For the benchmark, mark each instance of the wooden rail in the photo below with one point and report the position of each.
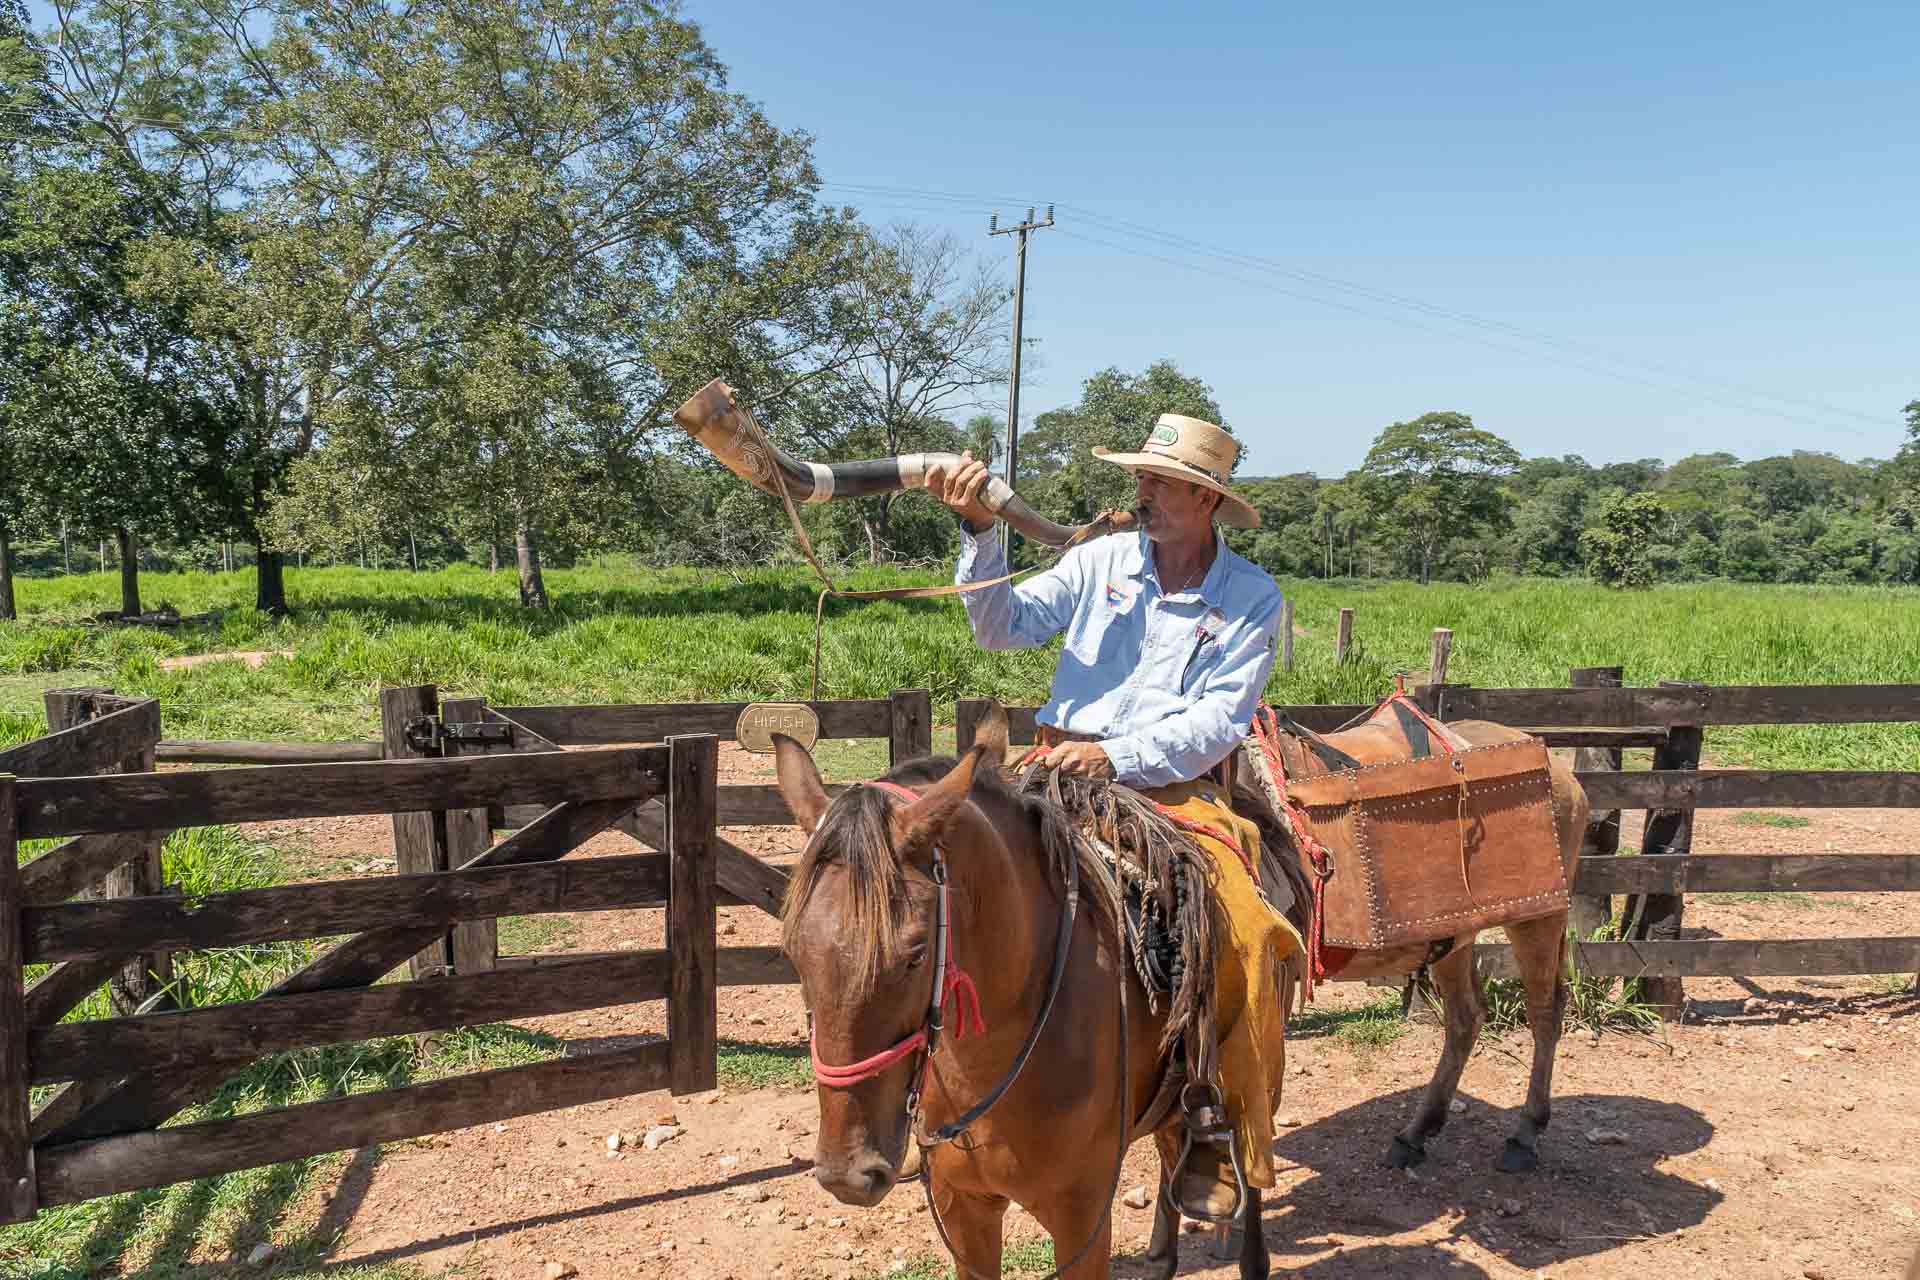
(133, 802)
(190, 751)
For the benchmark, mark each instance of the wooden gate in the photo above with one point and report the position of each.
(101, 1131)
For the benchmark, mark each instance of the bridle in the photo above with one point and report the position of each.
(951, 981)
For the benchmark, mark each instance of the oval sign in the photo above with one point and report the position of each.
(759, 721)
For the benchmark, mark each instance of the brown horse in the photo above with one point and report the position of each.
(943, 861)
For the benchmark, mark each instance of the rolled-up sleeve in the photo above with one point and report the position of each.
(1191, 741)
(1006, 616)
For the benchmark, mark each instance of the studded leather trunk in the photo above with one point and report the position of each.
(1432, 848)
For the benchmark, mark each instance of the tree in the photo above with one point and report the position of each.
(927, 336)
(1115, 410)
(1617, 552)
(1437, 478)
(586, 218)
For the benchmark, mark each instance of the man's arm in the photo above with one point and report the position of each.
(1010, 617)
(1187, 744)
(1002, 616)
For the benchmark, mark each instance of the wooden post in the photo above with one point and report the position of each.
(140, 876)
(1437, 660)
(966, 723)
(1286, 633)
(419, 839)
(693, 1007)
(18, 1191)
(911, 733)
(476, 943)
(1590, 912)
(1343, 639)
(1668, 831)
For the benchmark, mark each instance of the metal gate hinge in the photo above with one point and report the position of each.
(429, 733)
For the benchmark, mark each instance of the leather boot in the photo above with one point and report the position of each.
(1206, 1184)
(1205, 1188)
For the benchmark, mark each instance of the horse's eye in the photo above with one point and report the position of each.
(914, 958)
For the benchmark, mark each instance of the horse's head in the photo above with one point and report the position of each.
(859, 927)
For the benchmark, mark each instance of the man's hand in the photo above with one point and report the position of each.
(1089, 758)
(961, 491)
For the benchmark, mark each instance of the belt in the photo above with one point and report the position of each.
(1046, 735)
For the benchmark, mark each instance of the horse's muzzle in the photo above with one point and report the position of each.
(862, 1180)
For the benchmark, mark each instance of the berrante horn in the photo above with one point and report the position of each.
(712, 417)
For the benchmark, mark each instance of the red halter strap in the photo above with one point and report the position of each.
(950, 982)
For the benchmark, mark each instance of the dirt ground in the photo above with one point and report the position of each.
(1774, 1133)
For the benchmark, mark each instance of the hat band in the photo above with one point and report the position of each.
(1214, 476)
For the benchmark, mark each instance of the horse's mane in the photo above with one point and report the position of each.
(854, 834)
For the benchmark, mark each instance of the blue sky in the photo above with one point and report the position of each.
(1622, 232)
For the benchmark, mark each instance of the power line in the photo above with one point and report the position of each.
(1575, 354)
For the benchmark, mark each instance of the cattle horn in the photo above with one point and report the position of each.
(712, 417)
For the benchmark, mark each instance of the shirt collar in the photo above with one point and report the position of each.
(1212, 588)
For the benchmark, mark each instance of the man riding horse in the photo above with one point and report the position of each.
(1170, 638)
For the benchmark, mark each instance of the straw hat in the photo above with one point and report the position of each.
(1197, 452)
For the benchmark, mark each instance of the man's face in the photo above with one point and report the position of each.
(1172, 510)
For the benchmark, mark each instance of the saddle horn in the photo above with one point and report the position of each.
(712, 417)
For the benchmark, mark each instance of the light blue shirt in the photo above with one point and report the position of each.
(1169, 683)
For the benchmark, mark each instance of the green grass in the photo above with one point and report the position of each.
(1017, 1258)
(1893, 984)
(1751, 818)
(1785, 898)
(161, 1232)
(1370, 1027)
(1593, 1003)
(620, 633)
(746, 1064)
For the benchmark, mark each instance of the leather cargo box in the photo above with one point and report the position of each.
(1431, 848)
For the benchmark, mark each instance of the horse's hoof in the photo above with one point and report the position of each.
(1518, 1157)
(1404, 1155)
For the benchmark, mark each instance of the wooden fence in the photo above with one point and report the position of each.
(95, 910)
(100, 1131)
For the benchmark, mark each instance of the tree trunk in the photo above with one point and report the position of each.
(7, 613)
(129, 573)
(880, 530)
(493, 557)
(270, 582)
(533, 587)
(413, 552)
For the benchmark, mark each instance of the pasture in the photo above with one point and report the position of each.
(619, 633)
(545, 1189)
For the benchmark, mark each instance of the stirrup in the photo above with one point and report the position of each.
(1207, 1126)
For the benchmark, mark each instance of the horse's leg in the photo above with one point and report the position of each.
(1460, 998)
(1539, 950)
(973, 1224)
(1253, 1241)
(1163, 1251)
(1079, 1219)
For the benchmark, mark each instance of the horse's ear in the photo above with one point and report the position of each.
(920, 824)
(799, 782)
(992, 733)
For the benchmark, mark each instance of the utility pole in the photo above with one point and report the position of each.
(1023, 230)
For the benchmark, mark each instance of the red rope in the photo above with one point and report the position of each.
(1266, 729)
